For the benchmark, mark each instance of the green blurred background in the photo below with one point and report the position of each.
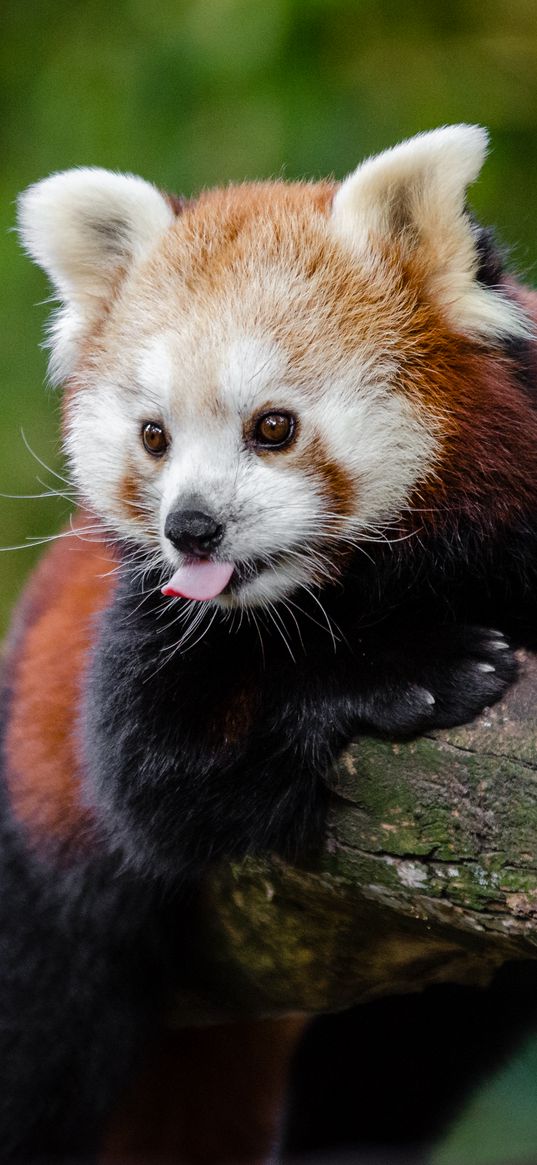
(193, 92)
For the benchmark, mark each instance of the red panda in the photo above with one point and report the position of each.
(300, 422)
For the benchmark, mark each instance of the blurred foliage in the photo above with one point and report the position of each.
(193, 92)
(499, 1125)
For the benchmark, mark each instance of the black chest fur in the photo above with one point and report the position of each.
(221, 747)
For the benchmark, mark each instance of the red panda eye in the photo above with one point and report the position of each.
(154, 438)
(273, 430)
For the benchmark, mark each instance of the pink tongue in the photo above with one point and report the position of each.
(199, 580)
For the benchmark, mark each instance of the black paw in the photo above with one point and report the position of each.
(467, 683)
(457, 673)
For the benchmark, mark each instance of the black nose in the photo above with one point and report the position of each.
(193, 532)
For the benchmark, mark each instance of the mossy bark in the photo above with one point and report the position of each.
(428, 874)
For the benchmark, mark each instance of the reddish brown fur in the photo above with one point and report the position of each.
(204, 1095)
(282, 227)
(130, 496)
(43, 770)
(208, 1095)
(488, 452)
(221, 227)
(337, 485)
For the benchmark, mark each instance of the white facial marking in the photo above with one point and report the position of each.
(156, 373)
(278, 518)
(253, 370)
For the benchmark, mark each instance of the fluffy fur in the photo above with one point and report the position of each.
(370, 550)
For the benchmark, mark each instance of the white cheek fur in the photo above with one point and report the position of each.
(273, 510)
(381, 442)
(103, 444)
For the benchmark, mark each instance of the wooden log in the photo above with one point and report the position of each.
(428, 874)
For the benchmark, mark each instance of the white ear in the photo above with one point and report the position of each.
(414, 195)
(85, 228)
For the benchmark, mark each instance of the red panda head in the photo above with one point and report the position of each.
(258, 383)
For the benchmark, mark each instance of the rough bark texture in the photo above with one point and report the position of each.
(429, 874)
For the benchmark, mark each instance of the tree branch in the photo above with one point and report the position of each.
(428, 874)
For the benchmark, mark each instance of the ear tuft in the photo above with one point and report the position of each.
(428, 172)
(85, 228)
(82, 225)
(414, 195)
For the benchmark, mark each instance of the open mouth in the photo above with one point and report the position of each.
(204, 579)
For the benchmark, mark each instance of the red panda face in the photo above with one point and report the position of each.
(240, 403)
(210, 373)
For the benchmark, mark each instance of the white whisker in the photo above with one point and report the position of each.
(329, 622)
(271, 610)
(42, 463)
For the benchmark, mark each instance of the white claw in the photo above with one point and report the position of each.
(429, 698)
(485, 667)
